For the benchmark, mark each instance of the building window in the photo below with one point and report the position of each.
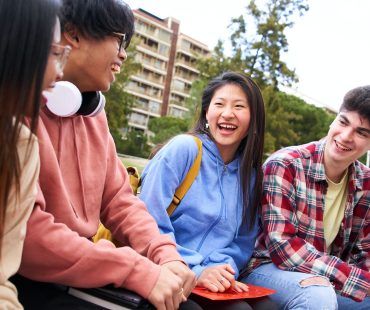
(137, 118)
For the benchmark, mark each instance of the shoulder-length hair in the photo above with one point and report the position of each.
(26, 31)
(251, 147)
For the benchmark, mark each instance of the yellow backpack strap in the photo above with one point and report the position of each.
(188, 181)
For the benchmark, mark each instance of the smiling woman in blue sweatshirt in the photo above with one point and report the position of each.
(215, 225)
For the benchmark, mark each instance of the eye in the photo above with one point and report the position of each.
(55, 51)
(342, 122)
(363, 134)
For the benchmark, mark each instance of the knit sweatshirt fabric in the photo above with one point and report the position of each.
(17, 213)
(82, 181)
(207, 225)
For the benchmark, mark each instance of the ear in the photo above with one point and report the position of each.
(71, 36)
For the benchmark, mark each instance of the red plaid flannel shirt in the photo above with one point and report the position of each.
(292, 220)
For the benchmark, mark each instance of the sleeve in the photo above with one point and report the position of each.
(291, 252)
(160, 178)
(17, 213)
(360, 254)
(67, 258)
(237, 253)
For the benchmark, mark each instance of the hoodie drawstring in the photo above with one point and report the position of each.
(79, 171)
(223, 204)
(238, 208)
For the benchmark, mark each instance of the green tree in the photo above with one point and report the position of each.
(258, 37)
(313, 122)
(119, 102)
(167, 127)
(279, 133)
(134, 143)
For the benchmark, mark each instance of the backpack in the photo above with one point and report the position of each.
(135, 181)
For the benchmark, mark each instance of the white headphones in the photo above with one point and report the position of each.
(66, 100)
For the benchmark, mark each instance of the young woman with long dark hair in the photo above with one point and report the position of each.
(30, 62)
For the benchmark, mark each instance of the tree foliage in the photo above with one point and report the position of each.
(134, 143)
(313, 122)
(166, 127)
(118, 101)
(258, 38)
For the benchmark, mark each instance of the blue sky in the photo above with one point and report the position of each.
(329, 46)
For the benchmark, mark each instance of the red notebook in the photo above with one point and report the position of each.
(253, 292)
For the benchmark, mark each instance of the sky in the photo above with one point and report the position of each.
(329, 47)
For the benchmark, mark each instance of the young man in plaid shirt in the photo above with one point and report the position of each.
(314, 249)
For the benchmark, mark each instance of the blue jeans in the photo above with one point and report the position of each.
(291, 295)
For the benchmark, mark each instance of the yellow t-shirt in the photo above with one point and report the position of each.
(335, 203)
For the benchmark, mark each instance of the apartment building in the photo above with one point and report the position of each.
(168, 69)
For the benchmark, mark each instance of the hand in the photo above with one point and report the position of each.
(183, 271)
(167, 293)
(217, 278)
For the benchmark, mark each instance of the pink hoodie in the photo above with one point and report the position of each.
(83, 181)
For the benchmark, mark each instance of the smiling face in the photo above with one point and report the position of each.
(348, 139)
(93, 63)
(228, 117)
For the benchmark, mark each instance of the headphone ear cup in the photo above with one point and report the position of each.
(64, 100)
(92, 103)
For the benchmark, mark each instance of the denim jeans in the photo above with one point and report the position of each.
(291, 295)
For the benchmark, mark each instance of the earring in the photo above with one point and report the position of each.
(207, 125)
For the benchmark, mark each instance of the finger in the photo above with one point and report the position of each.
(218, 284)
(225, 282)
(229, 269)
(170, 301)
(229, 276)
(189, 285)
(177, 298)
(160, 306)
(212, 287)
(241, 287)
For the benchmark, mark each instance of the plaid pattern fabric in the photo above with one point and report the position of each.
(292, 220)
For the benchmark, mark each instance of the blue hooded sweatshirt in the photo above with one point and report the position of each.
(207, 225)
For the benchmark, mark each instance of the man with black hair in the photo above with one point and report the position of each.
(82, 182)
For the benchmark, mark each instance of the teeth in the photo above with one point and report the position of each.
(339, 145)
(227, 126)
(116, 68)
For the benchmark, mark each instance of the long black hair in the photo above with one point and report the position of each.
(26, 31)
(251, 147)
